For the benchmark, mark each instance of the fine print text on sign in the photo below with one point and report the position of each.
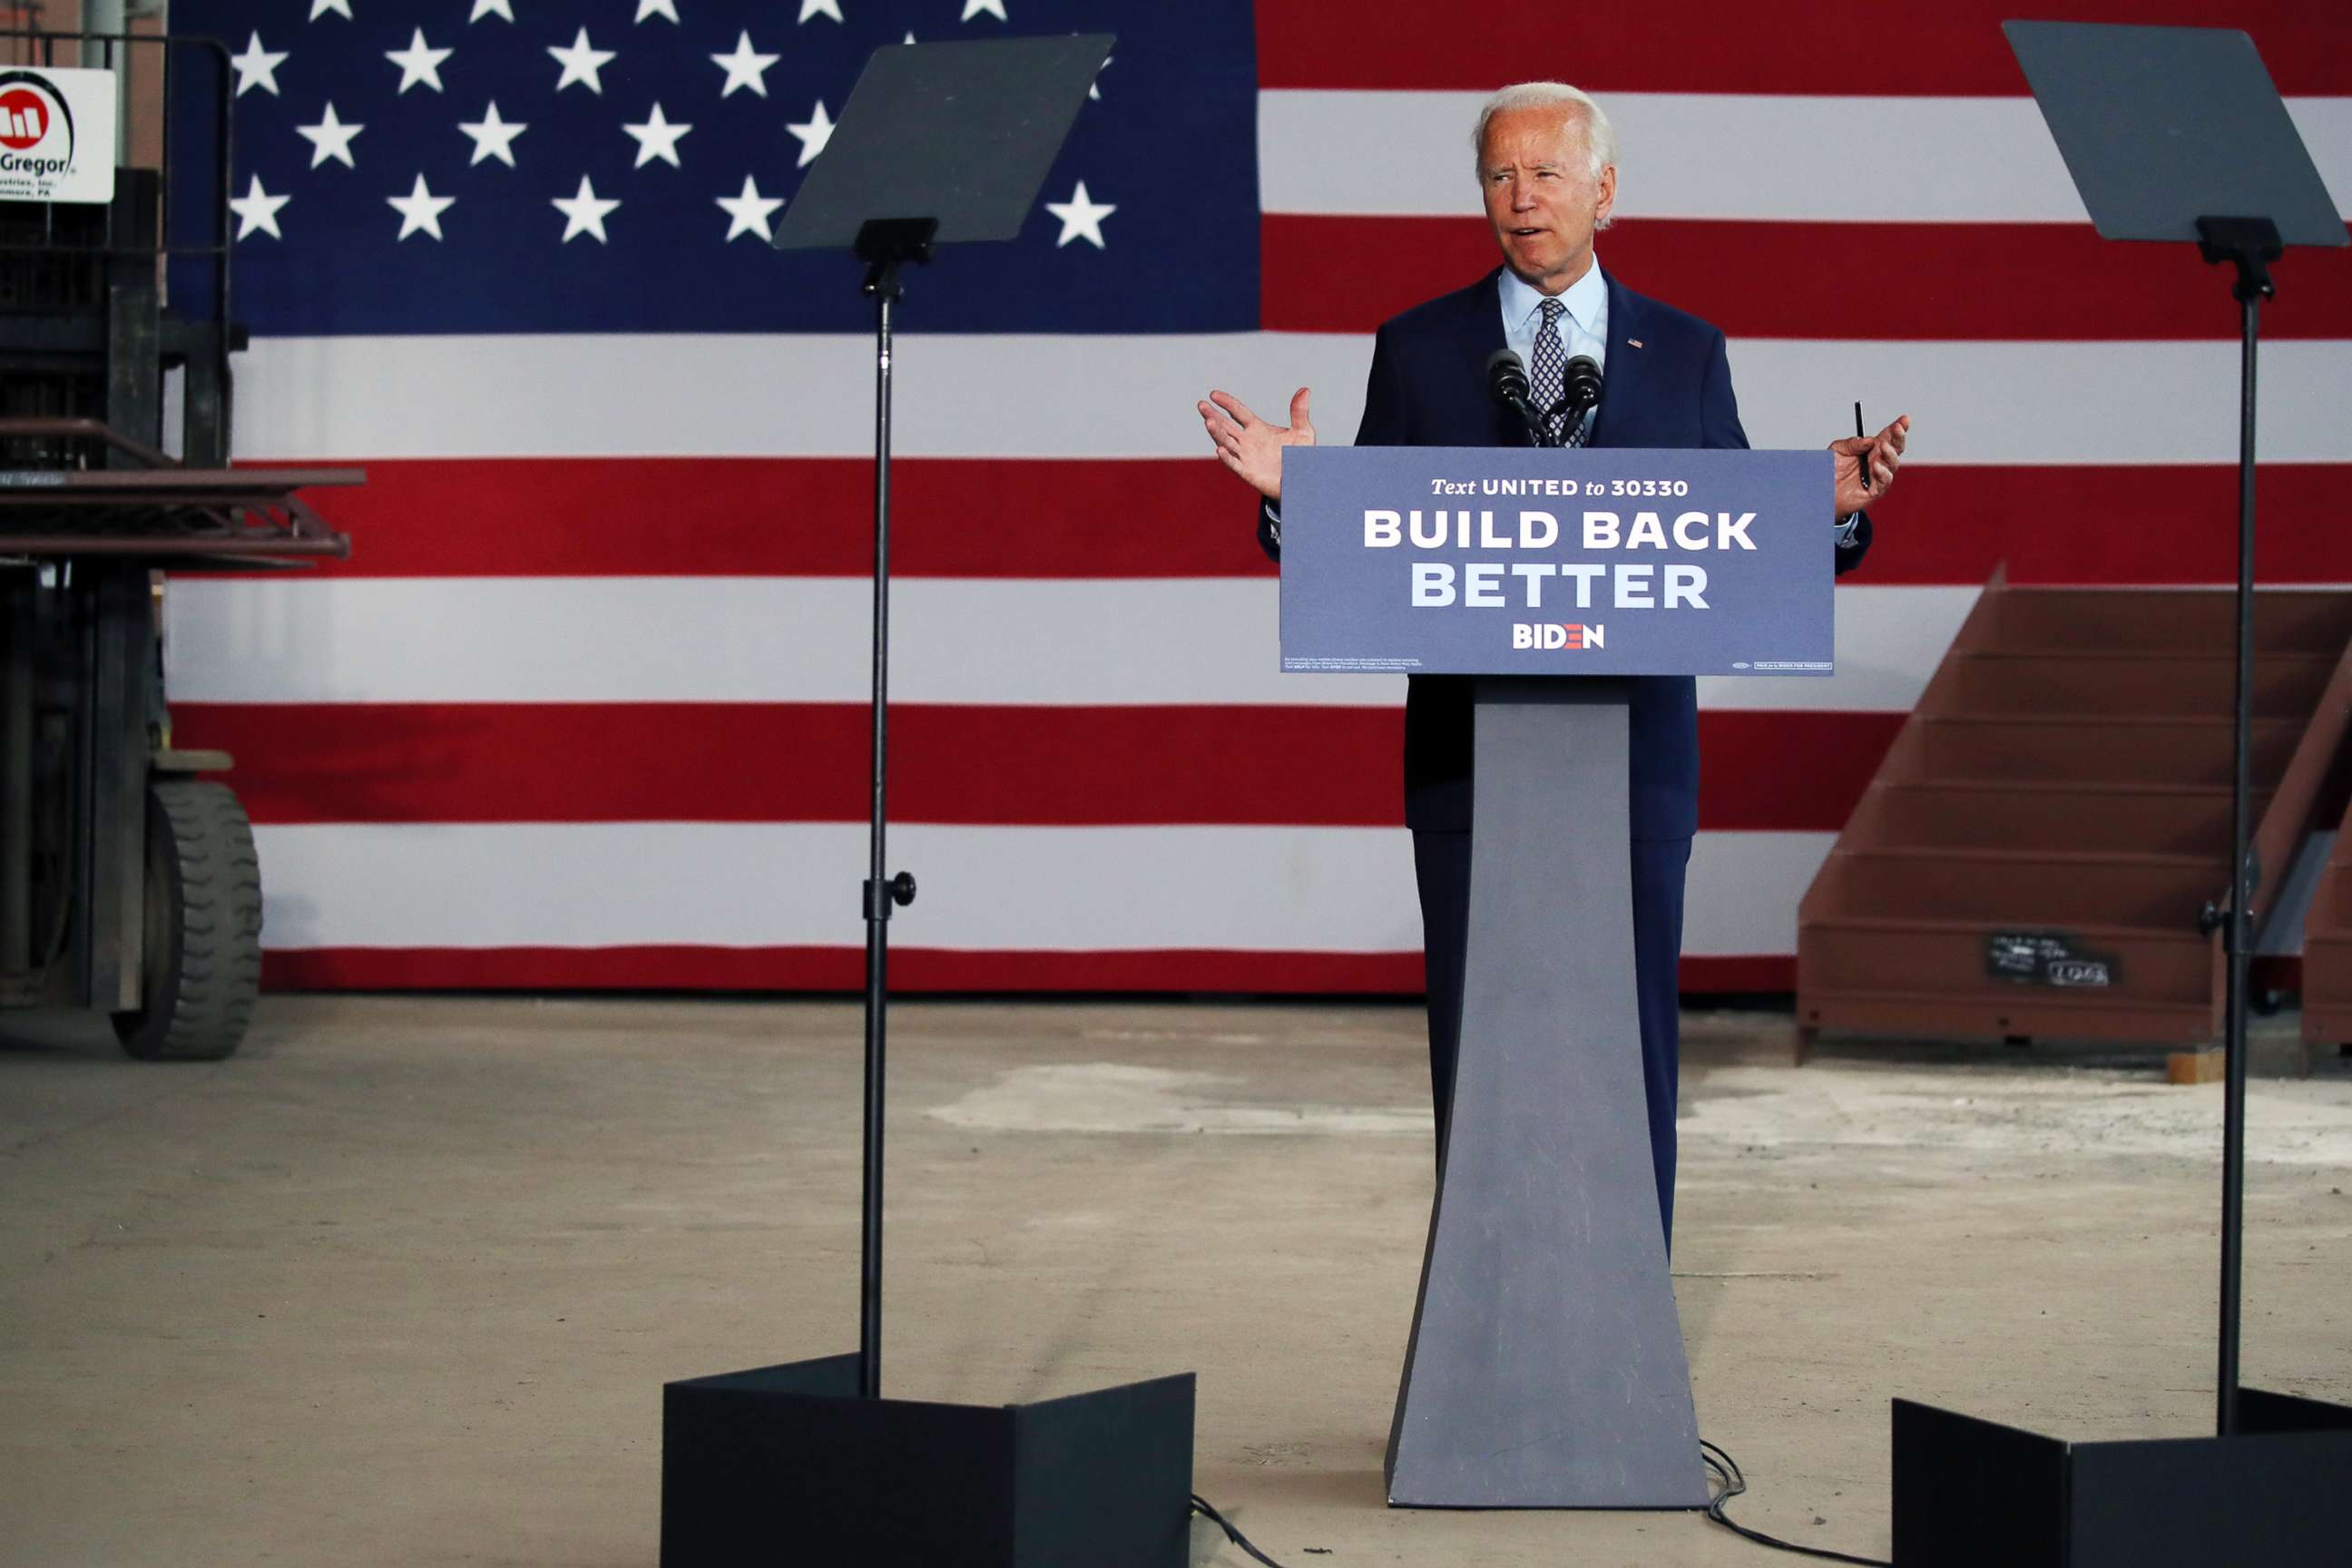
(56, 134)
(1488, 561)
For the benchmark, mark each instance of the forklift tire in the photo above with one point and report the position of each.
(203, 961)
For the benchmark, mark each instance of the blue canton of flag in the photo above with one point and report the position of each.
(532, 165)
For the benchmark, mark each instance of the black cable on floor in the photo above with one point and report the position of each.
(1731, 1483)
(1200, 1506)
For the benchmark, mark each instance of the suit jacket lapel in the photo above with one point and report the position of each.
(1621, 377)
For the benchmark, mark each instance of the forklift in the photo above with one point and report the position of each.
(128, 882)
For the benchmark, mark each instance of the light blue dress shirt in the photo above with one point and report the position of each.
(1585, 329)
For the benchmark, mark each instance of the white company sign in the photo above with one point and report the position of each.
(56, 134)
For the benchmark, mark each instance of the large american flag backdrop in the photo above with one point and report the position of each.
(588, 705)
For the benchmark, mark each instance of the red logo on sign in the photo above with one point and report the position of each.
(24, 118)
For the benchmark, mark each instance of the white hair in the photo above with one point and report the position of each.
(1600, 136)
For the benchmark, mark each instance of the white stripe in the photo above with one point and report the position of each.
(1744, 888)
(1324, 889)
(1119, 642)
(1078, 396)
(1889, 642)
(1719, 155)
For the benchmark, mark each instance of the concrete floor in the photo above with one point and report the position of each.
(402, 1282)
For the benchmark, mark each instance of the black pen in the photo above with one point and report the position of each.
(1863, 435)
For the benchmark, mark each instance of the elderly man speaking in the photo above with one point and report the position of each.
(1547, 161)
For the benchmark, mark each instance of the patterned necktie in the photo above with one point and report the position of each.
(1547, 379)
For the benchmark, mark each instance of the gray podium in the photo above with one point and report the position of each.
(1545, 1367)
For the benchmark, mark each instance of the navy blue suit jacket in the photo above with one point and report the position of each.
(1429, 389)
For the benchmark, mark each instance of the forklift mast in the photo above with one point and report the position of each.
(128, 885)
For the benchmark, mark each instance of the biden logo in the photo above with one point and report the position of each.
(1556, 634)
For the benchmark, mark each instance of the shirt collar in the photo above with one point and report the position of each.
(1584, 297)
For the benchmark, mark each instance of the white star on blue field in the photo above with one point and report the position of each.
(540, 165)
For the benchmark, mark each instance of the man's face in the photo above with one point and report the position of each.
(1541, 196)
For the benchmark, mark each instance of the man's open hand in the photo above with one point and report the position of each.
(1884, 452)
(1248, 445)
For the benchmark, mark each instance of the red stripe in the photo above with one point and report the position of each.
(1738, 972)
(841, 970)
(1960, 281)
(1018, 767)
(1830, 46)
(2170, 526)
(804, 517)
(1793, 770)
(1005, 517)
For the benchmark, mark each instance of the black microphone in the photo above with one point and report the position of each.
(1507, 382)
(1583, 379)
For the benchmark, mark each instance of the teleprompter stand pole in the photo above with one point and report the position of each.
(885, 245)
(2251, 244)
(2161, 128)
(807, 1461)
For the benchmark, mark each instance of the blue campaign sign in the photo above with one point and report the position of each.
(1501, 561)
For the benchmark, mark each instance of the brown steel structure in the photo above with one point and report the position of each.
(160, 513)
(128, 885)
(2063, 785)
(85, 918)
(2327, 939)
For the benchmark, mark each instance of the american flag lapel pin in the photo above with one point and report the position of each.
(1633, 343)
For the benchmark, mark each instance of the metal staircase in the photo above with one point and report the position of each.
(2042, 838)
(2327, 951)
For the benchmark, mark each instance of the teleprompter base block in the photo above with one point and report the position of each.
(1969, 1492)
(788, 1465)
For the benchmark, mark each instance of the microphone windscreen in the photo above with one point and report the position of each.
(1506, 376)
(1583, 382)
